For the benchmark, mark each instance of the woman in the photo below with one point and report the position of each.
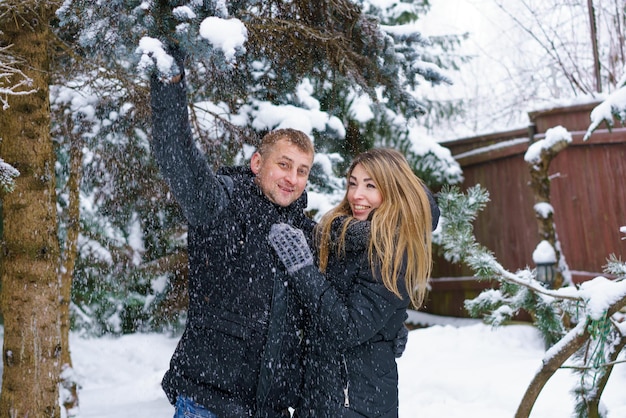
(374, 251)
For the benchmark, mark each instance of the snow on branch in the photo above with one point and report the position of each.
(555, 140)
(229, 35)
(13, 82)
(155, 58)
(613, 106)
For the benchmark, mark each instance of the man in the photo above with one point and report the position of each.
(239, 355)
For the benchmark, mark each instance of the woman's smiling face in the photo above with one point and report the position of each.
(363, 195)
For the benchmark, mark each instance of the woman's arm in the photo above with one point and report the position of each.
(348, 321)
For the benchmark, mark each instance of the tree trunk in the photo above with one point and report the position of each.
(540, 185)
(593, 33)
(30, 253)
(552, 362)
(70, 397)
(593, 402)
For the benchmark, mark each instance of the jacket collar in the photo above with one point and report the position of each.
(244, 175)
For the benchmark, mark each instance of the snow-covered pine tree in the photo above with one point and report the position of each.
(322, 62)
(422, 60)
(130, 228)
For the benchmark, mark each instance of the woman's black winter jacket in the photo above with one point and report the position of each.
(351, 368)
(240, 352)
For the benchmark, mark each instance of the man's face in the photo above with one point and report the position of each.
(283, 172)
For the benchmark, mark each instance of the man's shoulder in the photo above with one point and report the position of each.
(235, 177)
(236, 172)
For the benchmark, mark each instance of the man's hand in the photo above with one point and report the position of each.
(160, 61)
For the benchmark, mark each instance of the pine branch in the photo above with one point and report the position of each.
(555, 357)
(604, 365)
(459, 244)
(615, 266)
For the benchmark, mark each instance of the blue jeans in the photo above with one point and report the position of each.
(186, 408)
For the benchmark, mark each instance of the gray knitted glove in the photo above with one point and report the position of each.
(291, 247)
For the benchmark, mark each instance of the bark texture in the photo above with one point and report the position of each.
(540, 185)
(30, 248)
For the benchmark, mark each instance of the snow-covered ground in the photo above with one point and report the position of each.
(455, 368)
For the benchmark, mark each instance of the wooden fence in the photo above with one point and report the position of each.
(587, 193)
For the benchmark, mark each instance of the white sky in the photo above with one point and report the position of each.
(485, 78)
(479, 17)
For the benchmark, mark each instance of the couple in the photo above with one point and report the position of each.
(271, 326)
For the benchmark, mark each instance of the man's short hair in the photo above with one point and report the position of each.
(296, 137)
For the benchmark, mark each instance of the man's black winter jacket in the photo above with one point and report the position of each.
(240, 352)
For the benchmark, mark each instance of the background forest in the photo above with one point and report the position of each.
(92, 239)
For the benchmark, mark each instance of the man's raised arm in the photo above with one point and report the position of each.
(201, 194)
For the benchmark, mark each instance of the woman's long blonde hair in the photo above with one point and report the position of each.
(400, 227)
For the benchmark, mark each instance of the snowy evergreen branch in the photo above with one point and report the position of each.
(459, 244)
(517, 291)
(577, 324)
(458, 211)
(615, 266)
